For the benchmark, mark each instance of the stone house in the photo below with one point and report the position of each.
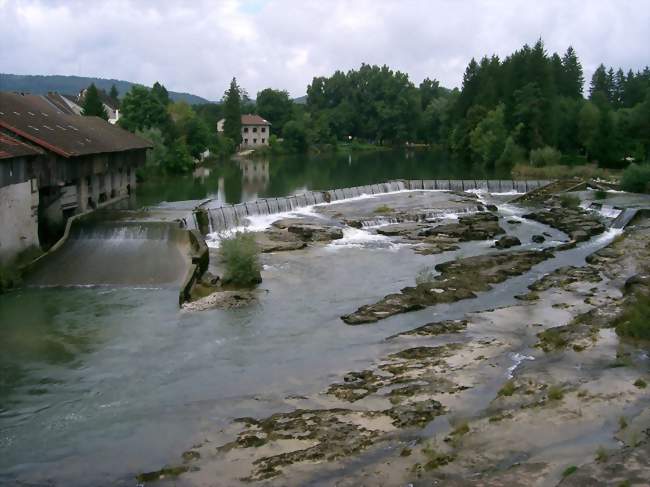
(255, 131)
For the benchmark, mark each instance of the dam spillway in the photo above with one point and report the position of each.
(118, 254)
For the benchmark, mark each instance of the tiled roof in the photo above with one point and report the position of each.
(253, 120)
(10, 147)
(34, 118)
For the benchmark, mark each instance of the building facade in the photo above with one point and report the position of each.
(255, 131)
(70, 164)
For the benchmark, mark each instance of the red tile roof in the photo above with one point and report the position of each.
(10, 147)
(34, 118)
(253, 120)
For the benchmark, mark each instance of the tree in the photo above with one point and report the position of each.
(114, 94)
(572, 80)
(588, 123)
(141, 109)
(600, 83)
(160, 93)
(295, 136)
(232, 112)
(276, 107)
(92, 105)
(488, 139)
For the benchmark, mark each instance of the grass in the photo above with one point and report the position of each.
(551, 339)
(383, 209)
(601, 455)
(555, 393)
(240, 256)
(640, 383)
(560, 171)
(569, 471)
(508, 389)
(634, 322)
(622, 423)
(569, 201)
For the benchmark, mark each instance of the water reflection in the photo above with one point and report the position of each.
(247, 179)
(255, 177)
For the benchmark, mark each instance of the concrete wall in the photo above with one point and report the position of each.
(18, 219)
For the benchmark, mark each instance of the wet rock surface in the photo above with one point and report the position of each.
(578, 224)
(459, 279)
(433, 329)
(507, 241)
(222, 300)
(309, 231)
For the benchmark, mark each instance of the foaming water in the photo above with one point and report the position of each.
(358, 238)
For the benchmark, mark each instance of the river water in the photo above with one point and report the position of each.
(101, 382)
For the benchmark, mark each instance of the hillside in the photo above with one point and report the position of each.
(39, 84)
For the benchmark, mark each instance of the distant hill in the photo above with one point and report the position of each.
(71, 85)
(301, 100)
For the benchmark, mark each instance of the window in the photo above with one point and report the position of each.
(254, 129)
(254, 141)
(263, 129)
(245, 141)
(263, 141)
(245, 129)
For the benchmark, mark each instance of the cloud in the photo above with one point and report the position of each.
(199, 46)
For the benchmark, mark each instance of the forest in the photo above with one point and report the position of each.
(529, 108)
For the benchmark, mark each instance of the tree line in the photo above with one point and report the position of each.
(526, 108)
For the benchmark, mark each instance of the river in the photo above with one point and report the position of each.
(101, 382)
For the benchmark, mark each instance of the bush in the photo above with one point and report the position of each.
(634, 322)
(559, 171)
(545, 156)
(9, 277)
(636, 178)
(569, 201)
(240, 255)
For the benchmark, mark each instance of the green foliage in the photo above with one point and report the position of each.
(569, 200)
(560, 171)
(276, 107)
(383, 209)
(601, 454)
(232, 111)
(142, 110)
(569, 471)
(634, 322)
(240, 256)
(636, 178)
(114, 94)
(92, 104)
(178, 159)
(545, 156)
(600, 194)
(555, 393)
(508, 389)
(488, 139)
(640, 383)
(295, 136)
(622, 423)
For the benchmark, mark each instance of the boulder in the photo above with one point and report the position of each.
(507, 241)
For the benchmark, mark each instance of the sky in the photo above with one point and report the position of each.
(197, 46)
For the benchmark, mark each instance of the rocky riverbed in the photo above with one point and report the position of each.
(537, 391)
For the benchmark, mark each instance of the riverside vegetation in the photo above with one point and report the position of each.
(524, 113)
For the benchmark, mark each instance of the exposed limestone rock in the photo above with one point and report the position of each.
(538, 239)
(576, 223)
(459, 279)
(436, 328)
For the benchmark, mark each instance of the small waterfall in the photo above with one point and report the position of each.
(229, 216)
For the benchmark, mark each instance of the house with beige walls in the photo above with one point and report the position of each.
(255, 131)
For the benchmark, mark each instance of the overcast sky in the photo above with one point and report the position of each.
(199, 45)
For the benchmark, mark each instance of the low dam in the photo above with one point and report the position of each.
(220, 217)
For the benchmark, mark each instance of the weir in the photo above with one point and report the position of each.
(224, 217)
(116, 253)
